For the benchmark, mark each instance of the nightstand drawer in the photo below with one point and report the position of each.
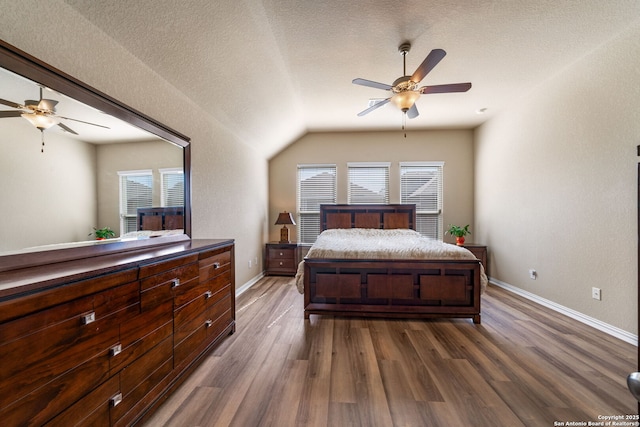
(281, 263)
(281, 253)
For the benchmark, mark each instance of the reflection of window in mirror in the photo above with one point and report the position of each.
(172, 193)
(136, 191)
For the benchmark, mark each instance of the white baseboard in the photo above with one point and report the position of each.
(242, 289)
(591, 321)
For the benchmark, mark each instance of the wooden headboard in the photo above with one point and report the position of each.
(367, 216)
(154, 219)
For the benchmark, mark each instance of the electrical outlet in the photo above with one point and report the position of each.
(533, 274)
(595, 294)
(249, 263)
(255, 261)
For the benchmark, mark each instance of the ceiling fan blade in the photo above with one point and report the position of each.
(369, 83)
(4, 114)
(453, 87)
(412, 113)
(10, 104)
(373, 107)
(67, 128)
(427, 65)
(47, 104)
(86, 123)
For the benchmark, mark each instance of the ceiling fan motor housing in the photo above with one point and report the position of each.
(403, 84)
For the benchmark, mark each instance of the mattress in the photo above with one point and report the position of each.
(366, 243)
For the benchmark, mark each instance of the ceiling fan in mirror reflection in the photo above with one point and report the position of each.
(41, 114)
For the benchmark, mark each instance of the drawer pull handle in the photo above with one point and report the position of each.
(175, 283)
(280, 262)
(115, 350)
(89, 318)
(115, 400)
(208, 294)
(216, 265)
(208, 323)
(281, 254)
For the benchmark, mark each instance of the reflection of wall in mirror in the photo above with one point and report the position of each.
(113, 158)
(48, 197)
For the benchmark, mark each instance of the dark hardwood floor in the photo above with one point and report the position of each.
(525, 365)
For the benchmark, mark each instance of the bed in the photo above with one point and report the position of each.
(407, 284)
(160, 218)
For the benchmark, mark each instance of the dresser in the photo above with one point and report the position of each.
(281, 259)
(103, 341)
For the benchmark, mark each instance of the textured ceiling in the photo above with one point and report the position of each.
(271, 70)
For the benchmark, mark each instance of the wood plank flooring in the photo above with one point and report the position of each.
(525, 365)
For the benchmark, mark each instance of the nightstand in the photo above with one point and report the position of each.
(282, 259)
(480, 251)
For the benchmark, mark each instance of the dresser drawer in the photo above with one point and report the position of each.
(184, 295)
(139, 378)
(92, 410)
(153, 269)
(140, 334)
(197, 321)
(45, 402)
(214, 264)
(162, 287)
(69, 335)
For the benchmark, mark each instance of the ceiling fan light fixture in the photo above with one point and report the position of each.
(40, 121)
(405, 100)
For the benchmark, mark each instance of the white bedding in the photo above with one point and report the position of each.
(366, 243)
(151, 233)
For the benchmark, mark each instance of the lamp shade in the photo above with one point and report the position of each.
(405, 100)
(285, 218)
(40, 121)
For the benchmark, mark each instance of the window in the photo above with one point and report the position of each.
(316, 186)
(368, 183)
(421, 184)
(172, 192)
(136, 190)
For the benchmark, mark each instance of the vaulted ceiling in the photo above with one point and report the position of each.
(271, 70)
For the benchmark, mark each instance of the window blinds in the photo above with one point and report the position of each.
(316, 186)
(421, 184)
(172, 192)
(136, 190)
(368, 183)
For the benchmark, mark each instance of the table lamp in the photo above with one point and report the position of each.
(285, 218)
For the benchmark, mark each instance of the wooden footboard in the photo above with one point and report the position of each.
(393, 288)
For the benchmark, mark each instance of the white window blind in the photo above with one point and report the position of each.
(368, 183)
(316, 186)
(172, 191)
(421, 184)
(136, 190)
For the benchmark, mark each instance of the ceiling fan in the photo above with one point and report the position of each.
(405, 89)
(41, 114)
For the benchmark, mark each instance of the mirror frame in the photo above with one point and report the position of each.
(19, 62)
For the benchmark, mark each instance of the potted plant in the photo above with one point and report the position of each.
(103, 233)
(459, 233)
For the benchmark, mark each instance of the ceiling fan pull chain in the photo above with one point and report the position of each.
(404, 124)
(42, 136)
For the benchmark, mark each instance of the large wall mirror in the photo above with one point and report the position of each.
(73, 161)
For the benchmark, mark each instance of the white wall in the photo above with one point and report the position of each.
(49, 197)
(229, 180)
(453, 147)
(556, 186)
